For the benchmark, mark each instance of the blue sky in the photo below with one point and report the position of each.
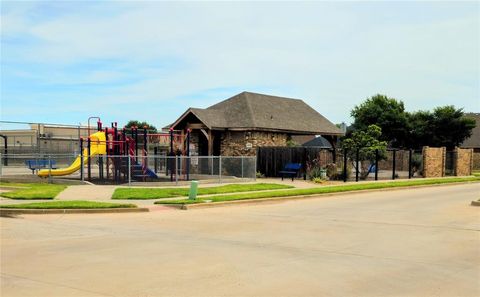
(62, 62)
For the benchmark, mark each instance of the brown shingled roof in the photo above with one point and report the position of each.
(474, 140)
(252, 111)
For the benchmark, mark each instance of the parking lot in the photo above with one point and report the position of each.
(414, 242)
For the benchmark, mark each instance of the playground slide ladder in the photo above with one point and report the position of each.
(138, 171)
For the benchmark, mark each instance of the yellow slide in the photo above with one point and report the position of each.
(97, 147)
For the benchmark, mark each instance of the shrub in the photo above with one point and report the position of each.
(335, 172)
(332, 170)
(317, 173)
(314, 170)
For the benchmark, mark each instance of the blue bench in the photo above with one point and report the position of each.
(290, 170)
(40, 164)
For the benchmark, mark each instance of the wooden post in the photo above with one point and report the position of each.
(210, 143)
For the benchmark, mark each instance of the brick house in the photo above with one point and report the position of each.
(240, 124)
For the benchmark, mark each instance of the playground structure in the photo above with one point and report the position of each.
(121, 155)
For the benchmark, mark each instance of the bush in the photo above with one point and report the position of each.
(335, 172)
(260, 175)
(332, 170)
(315, 172)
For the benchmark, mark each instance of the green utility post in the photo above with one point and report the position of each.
(193, 190)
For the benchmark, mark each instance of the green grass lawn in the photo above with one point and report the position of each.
(11, 185)
(323, 190)
(476, 173)
(152, 193)
(76, 204)
(31, 191)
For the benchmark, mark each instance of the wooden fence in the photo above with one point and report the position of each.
(271, 160)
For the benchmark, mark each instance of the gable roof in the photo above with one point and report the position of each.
(318, 142)
(474, 140)
(252, 111)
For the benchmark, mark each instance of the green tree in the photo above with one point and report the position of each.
(141, 125)
(450, 126)
(367, 142)
(445, 126)
(420, 129)
(387, 113)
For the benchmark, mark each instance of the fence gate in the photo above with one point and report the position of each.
(450, 163)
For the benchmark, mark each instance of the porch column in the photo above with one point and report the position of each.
(210, 142)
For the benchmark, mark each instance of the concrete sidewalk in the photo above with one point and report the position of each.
(87, 192)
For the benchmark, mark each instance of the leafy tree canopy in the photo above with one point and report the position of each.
(387, 113)
(141, 125)
(445, 126)
(367, 143)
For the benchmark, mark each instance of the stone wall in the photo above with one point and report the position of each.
(463, 161)
(434, 161)
(245, 143)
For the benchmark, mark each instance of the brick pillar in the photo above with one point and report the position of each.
(463, 161)
(434, 161)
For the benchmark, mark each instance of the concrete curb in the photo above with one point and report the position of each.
(475, 203)
(18, 211)
(291, 198)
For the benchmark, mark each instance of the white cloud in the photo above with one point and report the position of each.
(334, 55)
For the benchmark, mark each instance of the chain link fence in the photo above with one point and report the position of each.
(103, 169)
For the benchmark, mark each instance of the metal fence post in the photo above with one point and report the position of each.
(211, 167)
(410, 163)
(255, 168)
(180, 165)
(242, 165)
(393, 164)
(357, 156)
(129, 169)
(89, 160)
(344, 165)
(220, 168)
(82, 178)
(36, 162)
(168, 164)
(176, 170)
(376, 164)
(155, 165)
(49, 169)
(304, 163)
